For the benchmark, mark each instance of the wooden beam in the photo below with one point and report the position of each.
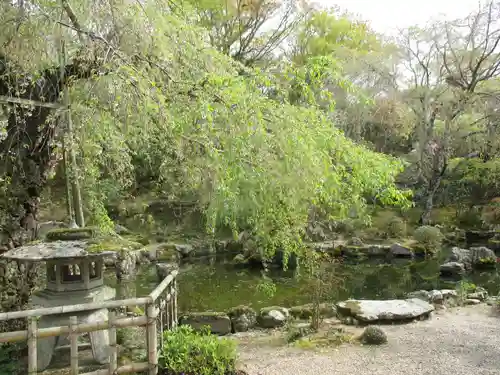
(40, 333)
(29, 102)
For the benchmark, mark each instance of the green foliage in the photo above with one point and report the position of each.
(471, 181)
(388, 224)
(71, 234)
(10, 359)
(112, 243)
(463, 288)
(186, 351)
(250, 150)
(396, 228)
(428, 238)
(295, 332)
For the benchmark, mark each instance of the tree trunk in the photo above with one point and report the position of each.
(434, 184)
(425, 218)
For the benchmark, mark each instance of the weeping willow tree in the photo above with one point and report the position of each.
(145, 84)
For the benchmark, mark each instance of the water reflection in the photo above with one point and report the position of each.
(219, 286)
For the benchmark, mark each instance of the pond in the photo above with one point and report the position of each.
(219, 286)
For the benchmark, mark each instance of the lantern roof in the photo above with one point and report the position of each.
(54, 250)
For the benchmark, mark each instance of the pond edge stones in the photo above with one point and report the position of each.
(371, 311)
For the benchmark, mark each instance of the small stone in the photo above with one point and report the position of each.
(273, 317)
(239, 260)
(435, 296)
(242, 318)
(472, 301)
(424, 295)
(449, 293)
(400, 251)
(453, 269)
(481, 296)
(373, 336)
(164, 269)
(356, 241)
(184, 249)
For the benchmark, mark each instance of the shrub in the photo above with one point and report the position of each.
(373, 336)
(10, 363)
(429, 239)
(186, 351)
(388, 224)
(396, 228)
(295, 332)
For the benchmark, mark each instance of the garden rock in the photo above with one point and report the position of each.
(472, 301)
(376, 250)
(387, 311)
(480, 294)
(473, 257)
(219, 323)
(452, 269)
(164, 269)
(400, 251)
(184, 250)
(438, 297)
(243, 318)
(273, 317)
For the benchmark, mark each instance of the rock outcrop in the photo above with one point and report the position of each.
(462, 260)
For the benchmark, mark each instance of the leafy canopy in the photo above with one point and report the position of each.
(173, 107)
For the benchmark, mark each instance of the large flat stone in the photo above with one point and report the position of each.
(219, 323)
(389, 310)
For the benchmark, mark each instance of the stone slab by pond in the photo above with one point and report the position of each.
(368, 311)
(219, 323)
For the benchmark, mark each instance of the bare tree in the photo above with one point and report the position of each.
(249, 30)
(447, 65)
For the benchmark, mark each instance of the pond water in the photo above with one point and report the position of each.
(218, 286)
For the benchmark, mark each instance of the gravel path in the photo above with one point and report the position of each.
(463, 341)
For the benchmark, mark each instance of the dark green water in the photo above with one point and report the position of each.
(218, 287)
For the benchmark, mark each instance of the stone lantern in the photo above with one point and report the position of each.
(74, 276)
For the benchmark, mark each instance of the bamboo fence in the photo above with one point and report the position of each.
(160, 307)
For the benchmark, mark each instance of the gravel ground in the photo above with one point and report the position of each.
(463, 341)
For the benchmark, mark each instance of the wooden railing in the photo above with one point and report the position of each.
(160, 313)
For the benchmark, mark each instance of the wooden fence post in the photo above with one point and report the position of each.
(32, 355)
(113, 348)
(152, 339)
(73, 337)
(174, 303)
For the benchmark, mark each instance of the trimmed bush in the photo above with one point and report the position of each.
(429, 239)
(188, 352)
(373, 336)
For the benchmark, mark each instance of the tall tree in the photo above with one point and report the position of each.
(447, 66)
